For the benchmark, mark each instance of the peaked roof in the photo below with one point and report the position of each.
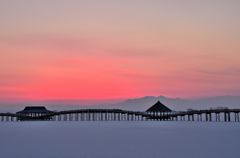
(34, 109)
(158, 107)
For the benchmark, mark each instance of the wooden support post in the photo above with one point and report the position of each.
(88, 116)
(235, 117)
(206, 116)
(76, 116)
(59, 118)
(52, 118)
(107, 118)
(81, 116)
(225, 116)
(84, 116)
(65, 117)
(102, 116)
(110, 116)
(229, 117)
(120, 116)
(238, 119)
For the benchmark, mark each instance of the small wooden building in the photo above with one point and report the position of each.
(35, 111)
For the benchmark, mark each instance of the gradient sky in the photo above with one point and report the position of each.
(107, 49)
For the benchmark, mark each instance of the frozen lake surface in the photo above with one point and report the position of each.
(119, 140)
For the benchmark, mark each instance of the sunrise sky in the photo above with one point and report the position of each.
(107, 49)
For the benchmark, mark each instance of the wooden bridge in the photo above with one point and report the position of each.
(218, 115)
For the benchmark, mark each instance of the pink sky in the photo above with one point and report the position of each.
(66, 49)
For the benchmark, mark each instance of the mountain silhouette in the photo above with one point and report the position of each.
(143, 103)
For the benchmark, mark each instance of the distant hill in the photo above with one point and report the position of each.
(181, 104)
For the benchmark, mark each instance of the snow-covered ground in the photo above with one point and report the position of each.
(119, 140)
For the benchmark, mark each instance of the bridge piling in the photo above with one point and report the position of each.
(93, 116)
(88, 116)
(238, 119)
(235, 117)
(100, 116)
(229, 117)
(59, 117)
(226, 116)
(53, 118)
(175, 118)
(210, 117)
(206, 117)
(82, 116)
(65, 117)
(76, 116)
(216, 117)
(105, 119)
